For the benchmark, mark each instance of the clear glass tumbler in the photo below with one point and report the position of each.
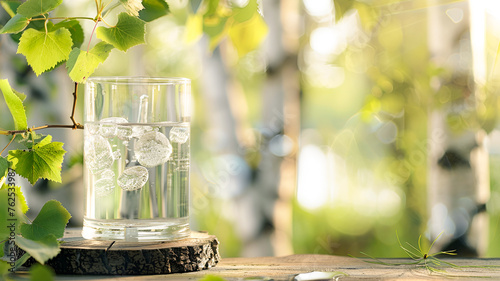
(136, 158)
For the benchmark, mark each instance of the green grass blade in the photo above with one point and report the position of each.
(378, 261)
(421, 254)
(420, 243)
(408, 252)
(432, 244)
(435, 261)
(447, 263)
(450, 253)
(437, 270)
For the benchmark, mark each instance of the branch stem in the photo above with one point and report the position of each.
(105, 13)
(96, 6)
(64, 18)
(15, 132)
(72, 117)
(109, 25)
(106, 5)
(13, 137)
(92, 34)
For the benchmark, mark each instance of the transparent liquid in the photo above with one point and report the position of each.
(137, 179)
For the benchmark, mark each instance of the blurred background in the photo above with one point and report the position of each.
(320, 126)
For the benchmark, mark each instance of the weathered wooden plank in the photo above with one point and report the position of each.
(288, 267)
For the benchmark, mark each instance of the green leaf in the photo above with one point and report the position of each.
(247, 36)
(15, 105)
(40, 272)
(10, 216)
(341, 7)
(44, 50)
(19, 196)
(20, 261)
(214, 25)
(20, 95)
(212, 7)
(4, 268)
(28, 139)
(193, 28)
(4, 166)
(132, 6)
(44, 160)
(33, 8)
(75, 29)
(153, 9)
(215, 28)
(41, 250)
(35, 24)
(82, 64)
(51, 220)
(128, 32)
(16, 24)
(10, 7)
(245, 13)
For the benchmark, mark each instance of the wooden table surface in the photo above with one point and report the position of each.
(287, 268)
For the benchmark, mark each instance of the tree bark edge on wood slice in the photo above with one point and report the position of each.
(97, 257)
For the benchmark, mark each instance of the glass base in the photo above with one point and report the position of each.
(138, 230)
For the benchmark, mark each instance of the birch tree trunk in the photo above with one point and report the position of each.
(458, 178)
(281, 49)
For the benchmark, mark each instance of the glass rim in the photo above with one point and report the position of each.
(139, 80)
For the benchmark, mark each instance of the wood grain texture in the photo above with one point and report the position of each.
(287, 268)
(91, 257)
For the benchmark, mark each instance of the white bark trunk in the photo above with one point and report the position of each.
(458, 163)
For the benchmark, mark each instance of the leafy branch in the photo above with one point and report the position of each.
(47, 42)
(51, 44)
(58, 40)
(39, 239)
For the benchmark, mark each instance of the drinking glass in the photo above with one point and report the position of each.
(136, 158)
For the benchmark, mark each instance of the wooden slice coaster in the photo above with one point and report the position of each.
(81, 256)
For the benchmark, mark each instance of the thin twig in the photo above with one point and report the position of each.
(13, 132)
(117, 4)
(106, 5)
(109, 25)
(96, 6)
(13, 137)
(72, 117)
(63, 18)
(45, 24)
(92, 34)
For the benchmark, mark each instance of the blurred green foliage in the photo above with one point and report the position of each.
(376, 120)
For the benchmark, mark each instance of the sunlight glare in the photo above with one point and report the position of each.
(325, 40)
(440, 221)
(319, 8)
(324, 75)
(492, 7)
(240, 3)
(388, 202)
(312, 190)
